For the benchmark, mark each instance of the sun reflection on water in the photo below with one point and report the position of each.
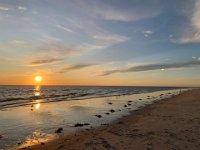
(37, 91)
(37, 106)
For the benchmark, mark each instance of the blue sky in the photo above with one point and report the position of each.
(61, 38)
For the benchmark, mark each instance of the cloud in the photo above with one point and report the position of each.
(10, 45)
(20, 43)
(196, 15)
(196, 58)
(115, 14)
(49, 55)
(74, 67)
(150, 67)
(110, 38)
(193, 36)
(105, 40)
(44, 61)
(22, 8)
(4, 8)
(51, 50)
(87, 46)
(147, 33)
(49, 39)
(64, 28)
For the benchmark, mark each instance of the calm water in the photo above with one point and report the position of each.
(12, 96)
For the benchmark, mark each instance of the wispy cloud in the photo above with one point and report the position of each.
(116, 14)
(87, 46)
(49, 55)
(64, 28)
(20, 43)
(147, 33)
(74, 67)
(44, 61)
(110, 38)
(193, 36)
(51, 50)
(4, 8)
(22, 8)
(150, 67)
(10, 45)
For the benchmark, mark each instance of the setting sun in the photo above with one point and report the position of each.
(38, 78)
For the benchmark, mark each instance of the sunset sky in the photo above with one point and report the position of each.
(100, 42)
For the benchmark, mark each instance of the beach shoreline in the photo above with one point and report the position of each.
(171, 123)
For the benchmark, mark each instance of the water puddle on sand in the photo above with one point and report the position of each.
(36, 123)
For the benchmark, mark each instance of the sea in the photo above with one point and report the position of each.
(13, 96)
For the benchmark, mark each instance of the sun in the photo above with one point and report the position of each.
(38, 78)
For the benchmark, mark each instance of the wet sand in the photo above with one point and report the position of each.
(170, 124)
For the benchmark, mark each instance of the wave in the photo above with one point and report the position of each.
(13, 96)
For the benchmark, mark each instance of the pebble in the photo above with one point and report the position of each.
(112, 110)
(59, 130)
(81, 124)
(99, 116)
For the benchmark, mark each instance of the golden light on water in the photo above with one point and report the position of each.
(38, 78)
(37, 91)
(37, 94)
(37, 106)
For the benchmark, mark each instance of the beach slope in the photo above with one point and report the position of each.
(170, 124)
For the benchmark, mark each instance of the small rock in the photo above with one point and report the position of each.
(110, 103)
(129, 104)
(107, 113)
(105, 124)
(112, 110)
(125, 105)
(59, 130)
(140, 99)
(42, 143)
(81, 124)
(130, 101)
(99, 116)
(1, 136)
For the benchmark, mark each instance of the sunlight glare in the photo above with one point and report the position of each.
(38, 78)
(37, 106)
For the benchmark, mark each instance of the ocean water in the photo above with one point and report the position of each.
(13, 96)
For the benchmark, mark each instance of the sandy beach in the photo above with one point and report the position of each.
(170, 124)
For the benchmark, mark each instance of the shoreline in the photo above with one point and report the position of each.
(152, 127)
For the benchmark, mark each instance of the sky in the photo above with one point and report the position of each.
(100, 42)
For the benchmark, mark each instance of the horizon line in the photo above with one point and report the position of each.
(101, 85)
